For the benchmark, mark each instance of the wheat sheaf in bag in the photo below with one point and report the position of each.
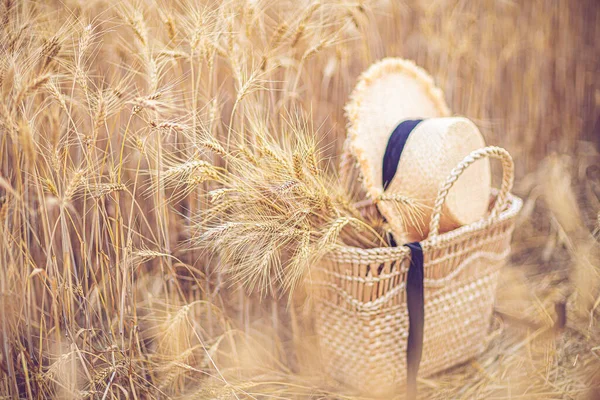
(405, 142)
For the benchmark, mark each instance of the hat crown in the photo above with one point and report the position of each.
(434, 147)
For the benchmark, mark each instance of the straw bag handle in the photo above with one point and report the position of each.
(507, 183)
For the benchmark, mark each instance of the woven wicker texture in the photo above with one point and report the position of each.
(360, 300)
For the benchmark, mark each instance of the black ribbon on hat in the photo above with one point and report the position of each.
(415, 301)
(394, 149)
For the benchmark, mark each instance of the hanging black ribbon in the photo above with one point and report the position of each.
(415, 303)
(414, 282)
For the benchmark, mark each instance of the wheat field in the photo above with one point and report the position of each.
(154, 152)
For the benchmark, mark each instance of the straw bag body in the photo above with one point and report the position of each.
(360, 296)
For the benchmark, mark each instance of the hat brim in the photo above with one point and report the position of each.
(390, 91)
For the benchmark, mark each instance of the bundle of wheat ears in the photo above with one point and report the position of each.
(168, 175)
(277, 210)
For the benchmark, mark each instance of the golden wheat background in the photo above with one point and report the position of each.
(141, 140)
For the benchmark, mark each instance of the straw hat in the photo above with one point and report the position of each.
(397, 116)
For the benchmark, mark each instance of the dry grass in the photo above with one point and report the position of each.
(129, 129)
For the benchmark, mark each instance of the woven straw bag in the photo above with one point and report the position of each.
(360, 295)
